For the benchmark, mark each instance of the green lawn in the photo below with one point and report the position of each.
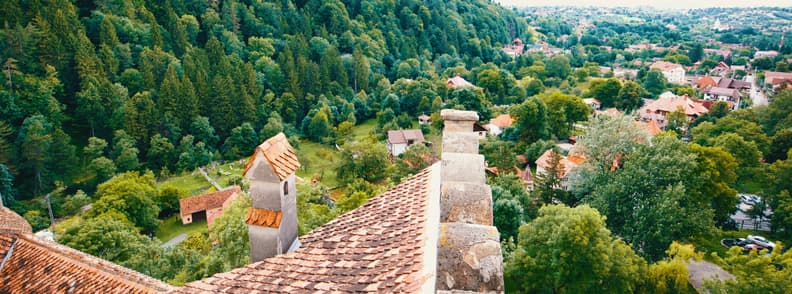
(192, 182)
(172, 227)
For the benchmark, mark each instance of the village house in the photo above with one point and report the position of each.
(674, 73)
(399, 140)
(458, 82)
(667, 102)
(704, 82)
(480, 131)
(516, 48)
(498, 124)
(724, 94)
(725, 54)
(207, 206)
(720, 69)
(765, 54)
(424, 119)
(593, 103)
(774, 79)
(566, 165)
(527, 178)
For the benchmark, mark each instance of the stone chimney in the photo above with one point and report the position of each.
(469, 252)
(272, 217)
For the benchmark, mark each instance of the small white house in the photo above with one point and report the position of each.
(399, 140)
(673, 72)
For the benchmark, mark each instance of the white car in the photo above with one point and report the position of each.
(761, 241)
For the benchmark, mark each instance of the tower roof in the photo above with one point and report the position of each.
(279, 155)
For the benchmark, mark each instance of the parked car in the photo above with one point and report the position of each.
(749, 247)
(761, 241)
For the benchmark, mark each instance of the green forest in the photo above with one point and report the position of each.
(111, 109)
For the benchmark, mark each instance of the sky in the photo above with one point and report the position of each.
(662, 4)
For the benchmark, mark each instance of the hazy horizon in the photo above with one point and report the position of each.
(661, 4)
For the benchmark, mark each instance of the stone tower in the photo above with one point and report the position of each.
(272, 217)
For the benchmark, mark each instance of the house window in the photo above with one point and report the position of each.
(285, 188)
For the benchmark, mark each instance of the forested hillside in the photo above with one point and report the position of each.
(94, 88)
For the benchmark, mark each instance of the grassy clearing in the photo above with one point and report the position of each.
(364, 129)
(192, 182)
(318, 160)
(172, 227)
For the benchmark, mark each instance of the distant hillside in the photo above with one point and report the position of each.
(183, 75)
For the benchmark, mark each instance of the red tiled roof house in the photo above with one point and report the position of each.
(207, 206)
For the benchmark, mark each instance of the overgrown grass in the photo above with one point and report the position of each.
(172, 227)
(318, 160)
(364, 129)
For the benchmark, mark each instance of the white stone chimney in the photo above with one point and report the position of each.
(272, 217)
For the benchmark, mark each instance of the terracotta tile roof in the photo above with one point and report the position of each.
(671, 104)
(206, 201)
(263, 217)
(777, 78)
(526, 174)
(38, 266)
(724, 92)
(405, 136)
(705, 81)
(502, 121)
(568, 163)
(378, 248)
(279, 154)
(458, 82)
(665, 66)
(652, 128)
(10, 222)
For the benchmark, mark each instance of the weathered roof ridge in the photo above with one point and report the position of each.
(98, 274)
(11, 222)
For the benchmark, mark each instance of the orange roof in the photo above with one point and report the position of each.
(665, 66)
(652, 127)
(279, 154)
(502, 121)
(672, 103)
(11, 222)
(705, 81)
(457, 82)
(378, 248)
(568, 163)
(263, 217)
(38, 266)
(777, 78)
(206, 201)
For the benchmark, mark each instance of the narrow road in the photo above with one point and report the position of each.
(758, 98)
(175, 241)
(210, 179)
